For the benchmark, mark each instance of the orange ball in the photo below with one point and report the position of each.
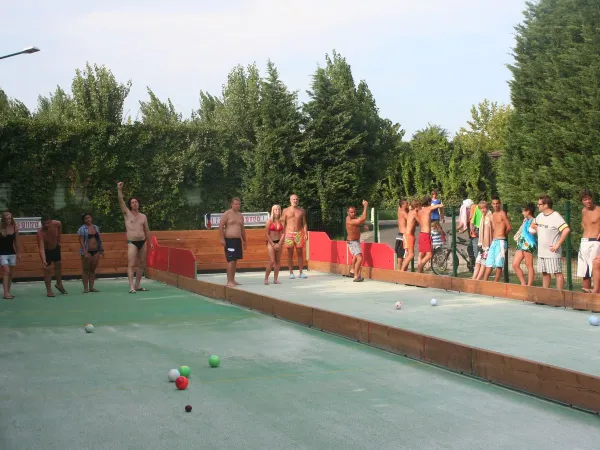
(181, 383)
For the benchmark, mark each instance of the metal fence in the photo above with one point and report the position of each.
(457, 243)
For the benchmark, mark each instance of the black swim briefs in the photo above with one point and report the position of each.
(138, 244)
(233, 249)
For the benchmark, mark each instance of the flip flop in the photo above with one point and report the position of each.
(142, 289)
(8, 298)
(50, 295)
(132, 291)
(94, 290)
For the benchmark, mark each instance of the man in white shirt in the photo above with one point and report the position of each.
(552, 230)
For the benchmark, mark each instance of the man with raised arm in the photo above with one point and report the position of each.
(138, 231)
(402, 219)
(233, 238)
(589, 248)
(48, 237)
(424, 219)
(409, 235)
(353, 224)
(296, 234)
(497, 253)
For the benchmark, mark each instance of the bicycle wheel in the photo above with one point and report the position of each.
(439, 261)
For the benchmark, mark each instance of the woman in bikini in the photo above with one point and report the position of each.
(525, 246)
(274, 231)
(9, 250)
(90, 249)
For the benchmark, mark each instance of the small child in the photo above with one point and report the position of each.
(436, 235)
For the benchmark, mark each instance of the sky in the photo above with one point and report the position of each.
(426, 62)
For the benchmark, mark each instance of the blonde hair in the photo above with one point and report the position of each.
(4, 225)
(272, 216)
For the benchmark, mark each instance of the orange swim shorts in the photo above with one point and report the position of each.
(294, 239)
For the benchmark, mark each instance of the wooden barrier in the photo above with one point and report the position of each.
(533, 294)
(553, 383)
(204, 244)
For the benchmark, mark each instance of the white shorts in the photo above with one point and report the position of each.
(588, 250)
(549, 265)
(8, 260)
(354, 247)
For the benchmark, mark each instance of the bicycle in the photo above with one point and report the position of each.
(441, 261)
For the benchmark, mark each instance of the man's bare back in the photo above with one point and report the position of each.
(411, 221)
(402, 219)
(590, 221)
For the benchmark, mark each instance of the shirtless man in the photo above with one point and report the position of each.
(48, 237)
(409, 235)
(497, 252)
(424, 219)
(590, 240)
(296, 233)
(233, 239)
(402, 218)
(138, 231)
(353, 224)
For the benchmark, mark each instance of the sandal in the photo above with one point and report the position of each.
(132, 291)
(94, 290)
(61, 289)
(142, 289)
(10, 297)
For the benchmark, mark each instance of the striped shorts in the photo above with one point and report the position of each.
(550, 265)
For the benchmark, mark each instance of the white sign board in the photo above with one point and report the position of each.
(28, 224)
(252, 219)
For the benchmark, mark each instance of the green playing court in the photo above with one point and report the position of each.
(280, 385)
(557, 336)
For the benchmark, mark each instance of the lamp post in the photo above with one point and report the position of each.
(27, 50)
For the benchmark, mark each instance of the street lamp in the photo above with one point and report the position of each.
(25, 50)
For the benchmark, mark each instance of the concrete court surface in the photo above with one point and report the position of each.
(556, 336)
(279, 385)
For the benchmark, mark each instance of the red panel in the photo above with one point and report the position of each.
(378, 256)
(151, 255)
(161, 258)
(182, 262)
(323, 249)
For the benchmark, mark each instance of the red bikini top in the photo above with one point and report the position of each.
(273, 227)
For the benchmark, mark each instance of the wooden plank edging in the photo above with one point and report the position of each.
(553, 383)
(508, 291)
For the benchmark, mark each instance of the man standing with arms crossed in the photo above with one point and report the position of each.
(353, 224)
(497, 252)
(136, 225)
(48, 237)
(424, 219)
(589, 247)
(233, 238)
(402, 219)
(296, 234)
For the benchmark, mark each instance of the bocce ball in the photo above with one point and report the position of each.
(181, 383)
(174, 374)
(89, 328)
(214, 361)
(188, 408)
(433, 302)
(185, 371)
(398, 305)
(594, 320)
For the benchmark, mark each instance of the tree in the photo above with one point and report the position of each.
(273, 177)
(11, 108)
(58, 107)
(97, 95)
(474, 145)
(553, 141)
(158, 113)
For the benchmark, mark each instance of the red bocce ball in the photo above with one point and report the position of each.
(181, 383)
